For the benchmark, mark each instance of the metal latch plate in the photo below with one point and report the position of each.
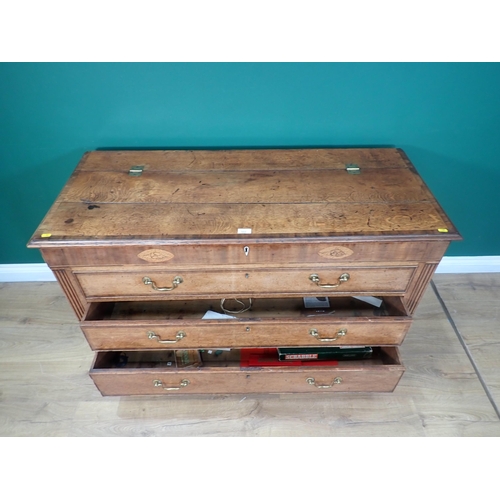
(352, 168)
(136, 170)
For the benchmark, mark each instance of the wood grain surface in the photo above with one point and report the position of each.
(376, 378)
(46, 390)
(257, 159)
(127, 284)
(74, 221)
(266, 193)
(247, 187)
(233, 253)
(473, 301)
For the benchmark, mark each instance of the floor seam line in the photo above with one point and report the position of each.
(465, 348)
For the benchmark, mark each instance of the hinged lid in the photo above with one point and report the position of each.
(269, 195)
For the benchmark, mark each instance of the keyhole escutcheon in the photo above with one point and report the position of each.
(246, 250)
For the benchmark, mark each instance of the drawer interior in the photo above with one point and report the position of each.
(262, 308)
(165, 360)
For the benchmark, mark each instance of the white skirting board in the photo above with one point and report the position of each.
(486, 264)
(41, 272)
(25, 272)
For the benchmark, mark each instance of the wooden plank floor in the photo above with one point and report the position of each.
(451, 386)
(473, 302)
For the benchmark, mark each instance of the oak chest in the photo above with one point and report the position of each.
(190, 271)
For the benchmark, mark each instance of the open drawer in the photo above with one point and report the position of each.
(270, 322)
(151, 373)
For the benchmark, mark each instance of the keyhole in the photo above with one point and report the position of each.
(246, 250)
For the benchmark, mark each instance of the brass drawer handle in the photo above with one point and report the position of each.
(152, 336)
(311, 381)
(340, 333)
(342, 278)
(176, 282)
(158, 383)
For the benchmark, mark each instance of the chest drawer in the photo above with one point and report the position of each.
(226, 376)
(140, 284)
(270, 322)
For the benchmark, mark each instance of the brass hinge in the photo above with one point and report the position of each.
(352, 168)
(136, 170)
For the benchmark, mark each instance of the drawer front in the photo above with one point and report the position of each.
(230, 381)
(248, 253)
(146, 283)
(144, 372)
(229, 333)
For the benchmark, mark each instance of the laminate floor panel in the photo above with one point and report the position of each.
(45, 389)
(473, 302)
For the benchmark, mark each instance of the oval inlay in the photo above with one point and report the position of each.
(336, 252)
(155, 255)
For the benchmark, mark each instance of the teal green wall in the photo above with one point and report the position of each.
(445, 116)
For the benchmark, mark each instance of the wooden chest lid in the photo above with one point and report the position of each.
(137, 197)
